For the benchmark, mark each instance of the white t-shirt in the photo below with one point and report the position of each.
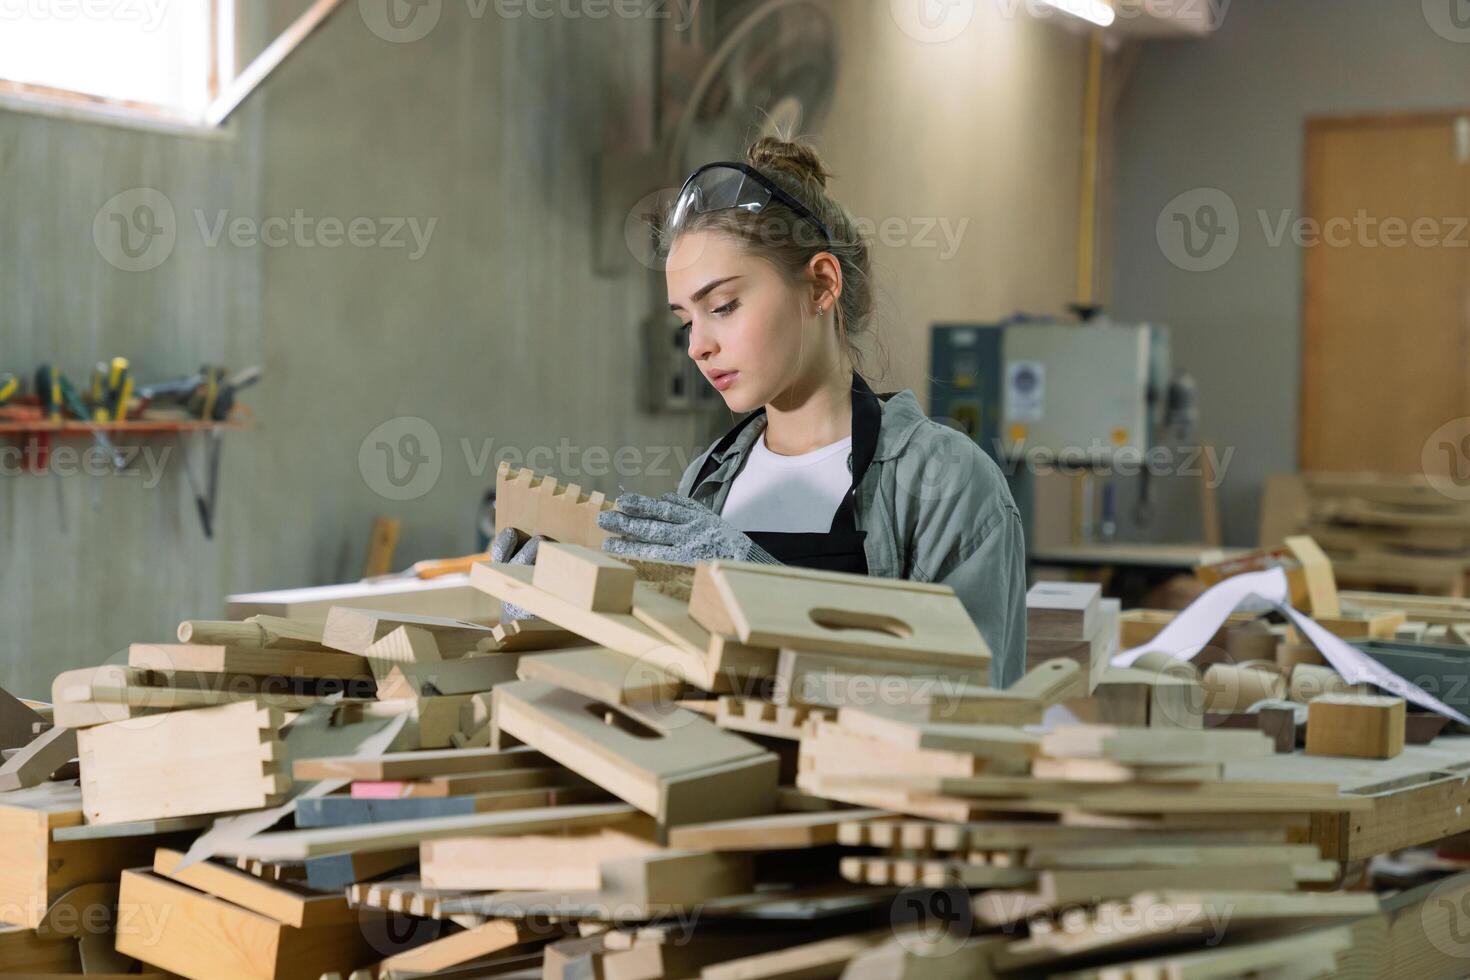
(789, 493)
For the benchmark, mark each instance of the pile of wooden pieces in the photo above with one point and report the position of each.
(722, 771)
(1072, 620)
(1381, 531)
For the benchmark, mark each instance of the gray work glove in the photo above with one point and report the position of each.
(503, 549)
(674, 528)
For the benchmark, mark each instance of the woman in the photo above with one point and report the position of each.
(772, 282)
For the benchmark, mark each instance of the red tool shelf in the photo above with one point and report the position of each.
(71, 427)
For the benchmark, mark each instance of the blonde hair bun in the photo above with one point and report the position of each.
(799, 160)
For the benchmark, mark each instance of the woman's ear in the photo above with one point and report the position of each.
(825, 276)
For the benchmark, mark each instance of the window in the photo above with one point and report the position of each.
(170, 63)
(155, 56)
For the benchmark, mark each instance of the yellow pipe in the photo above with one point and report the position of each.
(1087, 220)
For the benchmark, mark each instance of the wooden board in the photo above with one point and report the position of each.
(34, 763)
(1001, 743)
(604, 674)
(1135, 746)
(112, 693)
(247, 660)
(467, 675)
(417, 765)
(37, 868)
(585, 577)
(534, 504)
(553, 861)
(670, 763)
(461, 948)
(298, 845)
(207, 760)
(777, 832)
(756, 717)
(616, 631)
(199, 936)
(284, 904)
(355, 630)
(779, 606)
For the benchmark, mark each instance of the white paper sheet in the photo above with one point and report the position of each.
(1191, 630)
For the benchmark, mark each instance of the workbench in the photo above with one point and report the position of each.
(1420, 796)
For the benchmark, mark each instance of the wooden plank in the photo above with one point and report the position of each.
(1001, 743)
(247, 660)
(608, 676)
(417, 765)
(520, 635)
(777, 832)
(586, 578)
(538, 505)
(674, 879)
(113, 693)
(467, 675)
(623, 633)
(504, 780)
(1239, 959)
(462, 947)
(285, 905)
(297, 845)
(569, 860)
(355, 630)
(198, 935)
(670, 763)
(756, 717)
(778, 606)
(405, 645)
(207, 760)
(34, 763)
(824, 958)
(910, 872)
(1136, 746)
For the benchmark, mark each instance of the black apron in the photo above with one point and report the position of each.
(841, 548)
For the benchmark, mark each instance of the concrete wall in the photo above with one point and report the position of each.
(490, 129)
(977, 133)
(1228, 114)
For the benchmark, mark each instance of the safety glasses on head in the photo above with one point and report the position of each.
(718, 186)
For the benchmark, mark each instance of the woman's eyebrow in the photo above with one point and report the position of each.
(704, 291)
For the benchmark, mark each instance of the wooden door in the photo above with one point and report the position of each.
(1386, 320)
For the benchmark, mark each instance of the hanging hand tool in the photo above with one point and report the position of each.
(74, 404)
(9, 387)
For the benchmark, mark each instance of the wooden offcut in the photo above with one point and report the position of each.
(1363, 726)
(670, 763)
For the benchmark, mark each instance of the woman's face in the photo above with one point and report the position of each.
(747, 328)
